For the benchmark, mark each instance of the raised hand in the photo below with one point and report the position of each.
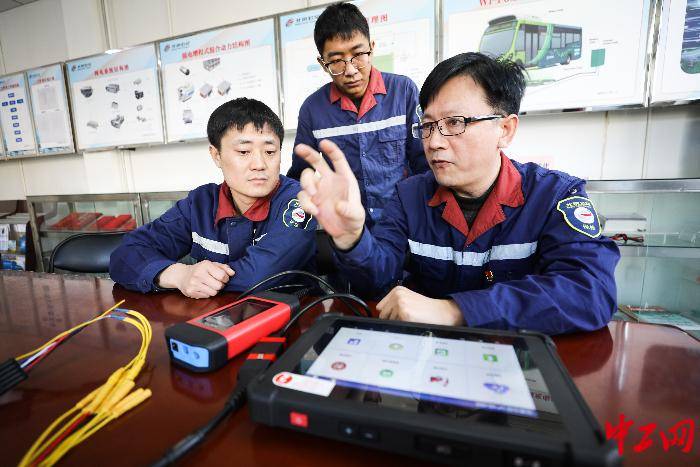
(332, 196)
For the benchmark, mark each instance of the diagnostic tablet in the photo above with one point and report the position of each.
(448, 394)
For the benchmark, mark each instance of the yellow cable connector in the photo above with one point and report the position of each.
(104, 404)
(104, 391)
(131, 401)
(120, 391)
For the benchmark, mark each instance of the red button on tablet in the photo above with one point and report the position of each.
(299, 419)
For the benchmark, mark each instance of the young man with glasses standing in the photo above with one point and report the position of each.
(367, 113)
(492, 242)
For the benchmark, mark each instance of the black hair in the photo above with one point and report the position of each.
(237, 113)
(503, 81)
(339, 20)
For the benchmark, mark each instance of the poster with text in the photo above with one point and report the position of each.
(404, 36)
(116, 99)
(202, 71)
(677, 68)
(50, 108)
(577, 54)
(15, 116)
(301, 73)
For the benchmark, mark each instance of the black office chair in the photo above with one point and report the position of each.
(88, 252)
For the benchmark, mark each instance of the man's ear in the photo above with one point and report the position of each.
(215, 155)
(508, 127)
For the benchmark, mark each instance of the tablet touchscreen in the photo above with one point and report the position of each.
(453, 373)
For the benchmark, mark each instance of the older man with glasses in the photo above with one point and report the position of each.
(365, 112)
(492, 242)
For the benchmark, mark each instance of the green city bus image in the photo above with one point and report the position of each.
(532, 43)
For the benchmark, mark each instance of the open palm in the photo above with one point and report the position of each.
(333, 196)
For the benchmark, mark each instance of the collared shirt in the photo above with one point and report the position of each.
(375, 86)
(507, 191)
(257, 212)
(523, 264)
(376, 138)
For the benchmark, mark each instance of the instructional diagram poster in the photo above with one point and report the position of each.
(50, 107)
(577, 54)
(116, 99)
(404, 36)
(301, 73)
(202, 71)
(677, 68)
(15, 116)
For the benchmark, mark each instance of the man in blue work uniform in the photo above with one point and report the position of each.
(493, 243)
(367, 113)
(242, 231)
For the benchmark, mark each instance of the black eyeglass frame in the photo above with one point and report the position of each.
(416, 127)
(327, 65)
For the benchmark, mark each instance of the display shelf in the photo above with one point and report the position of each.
(55, 218)
(659, 251)
(664, 269)
(154, 205)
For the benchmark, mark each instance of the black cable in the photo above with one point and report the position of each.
(285, 273)
(307, 274)
(186, 444)
(318, 300)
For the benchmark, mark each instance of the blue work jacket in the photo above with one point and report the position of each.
(376, 138)
(533, 259)
(279, 236)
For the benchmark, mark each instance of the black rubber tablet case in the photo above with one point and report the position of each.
(436, 437)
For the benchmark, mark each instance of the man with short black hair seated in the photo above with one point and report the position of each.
(242, 231)
(492, 242)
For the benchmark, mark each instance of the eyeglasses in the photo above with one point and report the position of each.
(448, 126)
(337, 67)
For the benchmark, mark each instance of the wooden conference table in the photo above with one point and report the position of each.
(651, 374)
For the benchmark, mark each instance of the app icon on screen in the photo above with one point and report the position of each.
(497, 388)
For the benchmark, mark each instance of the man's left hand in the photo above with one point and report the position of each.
(406, 305)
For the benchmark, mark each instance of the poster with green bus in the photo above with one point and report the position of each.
(577, 54)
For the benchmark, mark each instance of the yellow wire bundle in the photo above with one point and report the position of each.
(98, 408)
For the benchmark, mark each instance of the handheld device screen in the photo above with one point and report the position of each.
(234, 314)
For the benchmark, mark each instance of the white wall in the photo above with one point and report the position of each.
(658, 143)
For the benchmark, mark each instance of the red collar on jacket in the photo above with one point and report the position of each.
(375, 86)
(508, 191)
(256, 213)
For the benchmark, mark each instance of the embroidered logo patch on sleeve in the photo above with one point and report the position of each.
(294, 215)
(580, 215)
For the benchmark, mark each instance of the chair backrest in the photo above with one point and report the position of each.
(87, 252)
